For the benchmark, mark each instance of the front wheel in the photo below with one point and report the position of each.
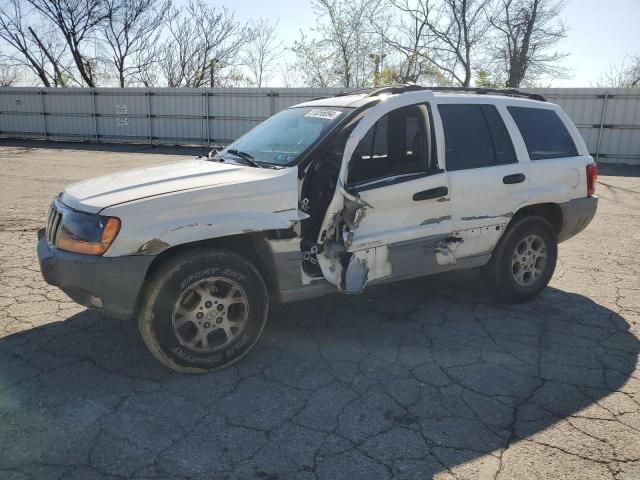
(524, 260)
(203, 310)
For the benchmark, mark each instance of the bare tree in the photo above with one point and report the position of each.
(340, 51)
(290, 76)
(409, 42)
(314, 62)
(624, 75)
(526, 33)
(262, 52)
(146, 65)
(452, 29)
(410, 45)
(131, 32)
(43, 57)
(203, 45)
(77, 21)
(8, 72)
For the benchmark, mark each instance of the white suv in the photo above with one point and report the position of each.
(327, 196)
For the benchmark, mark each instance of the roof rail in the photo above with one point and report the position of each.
(356, 91)
(393, 89)
(373, 91)
(509, 92)
(402, 88)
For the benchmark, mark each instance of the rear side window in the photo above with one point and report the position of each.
(544, 133)
(475, 136)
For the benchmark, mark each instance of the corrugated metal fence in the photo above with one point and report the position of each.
(609, 119)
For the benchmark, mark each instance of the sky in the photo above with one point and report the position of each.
(601, 32)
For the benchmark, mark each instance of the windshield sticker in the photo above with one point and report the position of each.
(323, 113)
(283, 158)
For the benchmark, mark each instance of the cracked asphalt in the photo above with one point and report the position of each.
(422, 379)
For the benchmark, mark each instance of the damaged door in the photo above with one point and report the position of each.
(488, 182)
(391, 214)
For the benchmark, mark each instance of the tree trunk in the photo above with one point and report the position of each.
(77, 58)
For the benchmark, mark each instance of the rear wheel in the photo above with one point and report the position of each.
(203, 310)
(524, 260)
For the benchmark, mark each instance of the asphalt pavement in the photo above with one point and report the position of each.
(427, 378)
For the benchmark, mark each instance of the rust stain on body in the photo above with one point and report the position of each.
(152, 247)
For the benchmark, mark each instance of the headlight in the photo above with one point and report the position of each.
(86, 233)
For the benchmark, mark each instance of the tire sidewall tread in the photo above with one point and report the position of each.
(176, 275)
(497, 273)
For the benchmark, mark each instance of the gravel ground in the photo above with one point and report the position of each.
(421, 379)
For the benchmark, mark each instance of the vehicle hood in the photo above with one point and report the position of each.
(98, 193)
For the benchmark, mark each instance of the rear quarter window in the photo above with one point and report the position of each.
(544, 133)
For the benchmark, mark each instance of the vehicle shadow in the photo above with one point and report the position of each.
(407, 381)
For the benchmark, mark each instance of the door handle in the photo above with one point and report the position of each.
(515, 178)
(431, 194)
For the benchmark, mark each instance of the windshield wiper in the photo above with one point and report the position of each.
(248, 159)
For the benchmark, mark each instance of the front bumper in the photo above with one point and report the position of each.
(576, 215)
(111, 284)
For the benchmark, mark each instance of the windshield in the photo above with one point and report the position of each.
(281, 139)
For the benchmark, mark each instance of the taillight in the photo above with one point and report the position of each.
(592, 177)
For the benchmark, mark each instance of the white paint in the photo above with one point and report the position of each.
(480, 205)
(392, 215)
(189, 201)
(100, 192)
(378, 260)
(196, 200)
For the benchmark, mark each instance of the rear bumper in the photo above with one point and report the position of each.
(109, 284)
(576, 215)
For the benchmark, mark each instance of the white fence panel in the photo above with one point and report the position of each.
(608, 119)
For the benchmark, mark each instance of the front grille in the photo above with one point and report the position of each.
(53, 224)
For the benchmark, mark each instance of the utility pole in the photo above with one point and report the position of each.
(211, 73)
(212, 68)
(377, 61)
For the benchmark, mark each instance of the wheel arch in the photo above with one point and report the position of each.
(551, 212)
(252, 246)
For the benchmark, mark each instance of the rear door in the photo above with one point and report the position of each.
(489, 180)
(557, 152)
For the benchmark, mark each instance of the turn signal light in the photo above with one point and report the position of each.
(110, 231)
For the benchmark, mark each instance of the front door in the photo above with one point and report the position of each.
(391, 210)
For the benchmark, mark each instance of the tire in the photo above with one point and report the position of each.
(518, 271)
(203, 310)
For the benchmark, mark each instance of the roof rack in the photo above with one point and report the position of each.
(509, 92)
(396, 89)
(393, 89)
(373, 91)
